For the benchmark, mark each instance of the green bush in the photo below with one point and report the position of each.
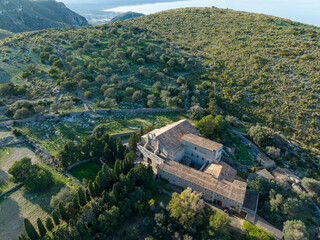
(255, 232)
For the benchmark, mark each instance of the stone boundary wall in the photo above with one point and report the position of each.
(120, 135)
(140, 110)
(11, 190)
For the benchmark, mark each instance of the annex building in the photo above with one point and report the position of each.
(177, 153)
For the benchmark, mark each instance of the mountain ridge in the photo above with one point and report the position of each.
(22, 15)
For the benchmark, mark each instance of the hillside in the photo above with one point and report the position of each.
(4, 33)
(265, 67)
(114, 66)
(125, 16)
(23, 15)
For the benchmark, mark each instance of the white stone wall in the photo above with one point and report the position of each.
(207, 194)
(179, 155)
(198, 154)
(147, 155)
(218, 154)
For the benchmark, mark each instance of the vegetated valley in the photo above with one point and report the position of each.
(74, 104)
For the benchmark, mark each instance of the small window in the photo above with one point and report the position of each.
(195, 148)
(197, 156)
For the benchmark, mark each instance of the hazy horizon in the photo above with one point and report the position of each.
(295, 10)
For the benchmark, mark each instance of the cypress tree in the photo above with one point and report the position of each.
(49, 224)
(22, 237)
(41, 228)
(133, 141)
(97, 188)
(140, 132)
(81, 197)
(127, 163)
(114, 192)
(55, 217)
(120, 149)
(62, 212)
(91, 189)
(88, 196)
(116, 170)
(30, 230)
(75, 203)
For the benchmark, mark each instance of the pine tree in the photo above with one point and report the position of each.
(91, 189)
(55, 217)
(30, 230)
(62, 212)
(41, 228)
(49, 224)
(81, 197)
(88, 196)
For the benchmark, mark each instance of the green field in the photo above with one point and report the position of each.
(88, 170)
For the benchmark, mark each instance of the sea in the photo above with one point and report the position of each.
(304, 11)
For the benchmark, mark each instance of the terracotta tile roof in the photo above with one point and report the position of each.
(201, 142)
(282, 174)
(235, 191)
(221, 170)
(264, 173)
(170, 135)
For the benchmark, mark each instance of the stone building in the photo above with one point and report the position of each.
(178, 154)
(265, 161)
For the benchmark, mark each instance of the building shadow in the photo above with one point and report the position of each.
(11, 222)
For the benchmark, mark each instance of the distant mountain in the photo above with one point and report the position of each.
(125, 16)
(24, 15)
(4, 33)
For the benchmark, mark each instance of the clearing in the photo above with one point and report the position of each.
(87, 170)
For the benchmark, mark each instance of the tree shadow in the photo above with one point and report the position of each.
(42, 198)
(11, 222)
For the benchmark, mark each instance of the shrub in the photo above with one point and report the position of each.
(22, 113)
(88, 94)
(255, 232)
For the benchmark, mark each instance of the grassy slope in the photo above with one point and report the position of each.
(266, 67)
